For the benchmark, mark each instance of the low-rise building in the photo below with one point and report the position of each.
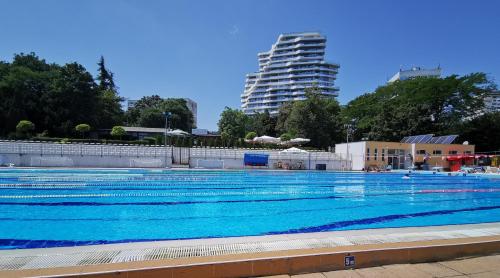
(415, 72)
(421, 150)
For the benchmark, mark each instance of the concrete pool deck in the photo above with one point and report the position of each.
(480, 267)
(257, 255)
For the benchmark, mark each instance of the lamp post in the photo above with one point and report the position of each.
(167, 115)
(349, 129)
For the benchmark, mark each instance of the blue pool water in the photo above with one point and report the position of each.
(48, 208)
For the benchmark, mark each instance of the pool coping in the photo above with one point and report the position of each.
(412, 244)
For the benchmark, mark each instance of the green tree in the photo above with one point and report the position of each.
(286, 137)
(118, 131)
(225, 138)
(234, 122)
(72, 99)
(317, 118)
(263, 124)
(24, 87)
(109, 105)
(55, 97)
(482, 131)
(151, 117)
(181, 117)
(24, 128)
(148, 112)
(109, 109)
(82, 129)
(283, 115)
(105, 77)
(418, 106)
(251, 135)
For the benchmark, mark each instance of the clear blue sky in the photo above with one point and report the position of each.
(203, 49)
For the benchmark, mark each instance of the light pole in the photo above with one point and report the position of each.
(348, 128)
(167, 115)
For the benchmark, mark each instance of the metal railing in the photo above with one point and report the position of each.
(58, 149)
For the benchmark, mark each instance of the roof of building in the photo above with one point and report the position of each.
(143, 129)
(429, 139)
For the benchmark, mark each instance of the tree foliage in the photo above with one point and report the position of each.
(286, 137)
(149, 112)
(55, 97)
(417, 106)
(25, 127)
(82, 129)
(316, 118)
(118, 131)
(234, 122)
(251, 135)
(263, 124)
(482, 131)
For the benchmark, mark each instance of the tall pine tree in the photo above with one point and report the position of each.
(105, 77)
(110, 111)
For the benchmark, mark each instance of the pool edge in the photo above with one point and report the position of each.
(293, 261)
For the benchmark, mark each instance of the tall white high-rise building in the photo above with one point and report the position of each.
(294, 63)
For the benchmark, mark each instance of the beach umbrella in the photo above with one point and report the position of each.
(294, 150)
(266, 139)
(177, 132)
(299, 141)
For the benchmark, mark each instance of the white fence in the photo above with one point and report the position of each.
(33, 154)
(23, 153)
(233, 158)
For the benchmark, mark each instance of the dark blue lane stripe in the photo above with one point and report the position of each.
(287, 212)
(379, 219)
(161, 203)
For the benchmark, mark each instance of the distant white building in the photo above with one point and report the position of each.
(415, 72)
(492, 102)
(191, 105)
(131, 103)
(199, 131)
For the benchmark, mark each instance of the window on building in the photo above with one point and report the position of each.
(367, 153)
(437, 152)
(421, 152)
(453, 152)
(468, 152)
(375, 154)
(383, 155)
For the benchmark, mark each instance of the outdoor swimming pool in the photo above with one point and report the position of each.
(49, 208)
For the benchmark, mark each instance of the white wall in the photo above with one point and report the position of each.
(35, 154)
(356, 153)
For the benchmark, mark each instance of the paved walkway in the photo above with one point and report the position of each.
(481, 267)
